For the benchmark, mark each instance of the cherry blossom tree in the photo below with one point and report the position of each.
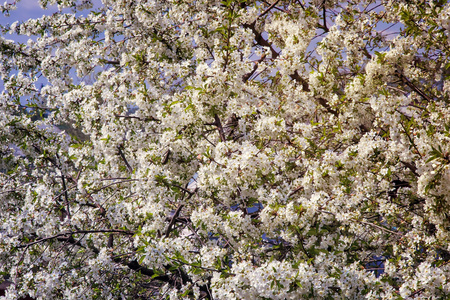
(203, 149)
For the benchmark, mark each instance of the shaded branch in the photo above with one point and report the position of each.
(66, 196)
(138, 118)
(75, 232)
(135, 266)
(110, 241)
(129, 168)
(325, 28)
(413, 87)
(411, 167)
(166, 157)
(172, 221)
(219, 126)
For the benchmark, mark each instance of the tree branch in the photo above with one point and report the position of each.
(66, 196)
(166, 157)
(411, 167)
(260, 40)
(138, 118)
(413, 87)
(325, 28)
(219, 128)
(247, 76)
(381, 227)
(268, 9)
(172, 221)
(129, 168)
(75, 232)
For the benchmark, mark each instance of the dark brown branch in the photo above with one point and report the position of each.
(324, 103)
(66, 196)
(101, 208)
(260, 40)
(204, 136)
(183, 189)
(255, 67)
(220, 128)
(64, 191)
(268, 9)
(200, 267)
(129, 168)
(381, 227)
(5, 284)
(166, 157)
(110, 241)
(325, 28)
(412, 86)
(111, 184)
(110, 62)
(303, 246)
(300, 80)
(135, 266)
(72, 241)
(416, 293)
(172, 221)
(411, 167)
(138, 118)
(301, 4)
(218, 124)
(65, 234)
(295, 191)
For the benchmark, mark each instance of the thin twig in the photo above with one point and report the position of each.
(366, 223)
(183, 189)
(413, 87)
(247, 76)
(295, 191)
(381, 227)
(200, 267)
(138, 118)
(111, 184)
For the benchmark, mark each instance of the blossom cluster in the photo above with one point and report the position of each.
(226, 150)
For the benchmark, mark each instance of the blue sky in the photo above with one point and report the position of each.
(26, 9)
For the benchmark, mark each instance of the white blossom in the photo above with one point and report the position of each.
(226, 150)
